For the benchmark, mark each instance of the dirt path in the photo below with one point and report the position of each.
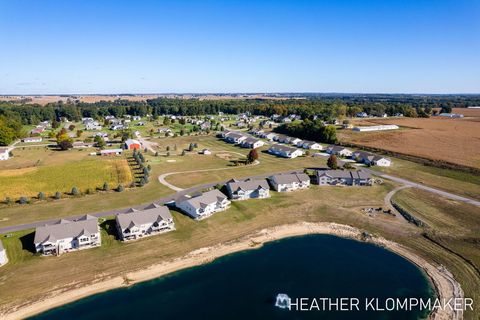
(388, 202)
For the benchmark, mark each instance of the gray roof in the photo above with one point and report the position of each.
(64, 228)
(248, 184)
(336, 148)
(204, 199)
(250, 140)
(289, 178)
(345, 174)
(152, 213)
(237, 135)
(282, 147)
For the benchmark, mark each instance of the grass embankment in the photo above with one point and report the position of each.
(88, 173)
(451, 236)
(26, 277)
(456, 182)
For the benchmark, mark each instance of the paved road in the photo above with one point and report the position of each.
(424, 187)
(181, 193)
(164, 200)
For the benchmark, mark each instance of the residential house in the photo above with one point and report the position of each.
(269, 136)
(32, 139)
(3, 254)
(285, 151)
(371, 159)
(339, 151)
(132, 144)
(295, 141)
(252, 143)
(248, 189)
(4, 154)
(68, 235)
(235, 137)
(311, 145)
(136, 224)
(93, 125)
(362, 115)
(203, 205)
(117, 127)
(289, 182)
(136, 118)
(343, 177)
(283, 139)
(164, 130)
(111, 152)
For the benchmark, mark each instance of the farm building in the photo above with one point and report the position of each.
(451, 115)
(4, 154)
(111, 152)
(376, 128)
(32, 139)
(132, 144)
(3, 254)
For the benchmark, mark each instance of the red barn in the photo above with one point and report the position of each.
(132, 144)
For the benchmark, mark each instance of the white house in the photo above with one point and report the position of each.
(371, 159)
(343, 177)
(248, 189)
(235, 137)
(136, 118)
(289, 182)
(203, 205)
(68, 235)
(339, 151)
(285, 151)
(310, 145)
(135, 224)
(92, 125)
(269, 136)
(295, 141)
(252, 143)
(4, 154)
(3, 255)
(206, 152)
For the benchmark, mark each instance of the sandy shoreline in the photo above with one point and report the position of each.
(444, 283)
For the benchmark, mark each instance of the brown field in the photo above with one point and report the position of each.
(452, 140)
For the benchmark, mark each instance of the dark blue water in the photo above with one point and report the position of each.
(244, 285)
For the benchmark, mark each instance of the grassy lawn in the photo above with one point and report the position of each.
(25, 276)
(453, 226)
(88, 173)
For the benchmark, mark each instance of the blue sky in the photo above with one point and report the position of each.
(391, 46)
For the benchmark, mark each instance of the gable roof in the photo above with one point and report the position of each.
(289, 178)
(248, 184)
(204, 199)
(65, 228)
(152, 213)
(282, 148)
(345, 174)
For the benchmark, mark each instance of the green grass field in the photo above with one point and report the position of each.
(88, 173)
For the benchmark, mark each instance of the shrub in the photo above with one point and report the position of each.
(75, 191)
(23, 200)
(8, 200)
(41, 196)
(105, 187)
(58, 195)
(120, 188)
